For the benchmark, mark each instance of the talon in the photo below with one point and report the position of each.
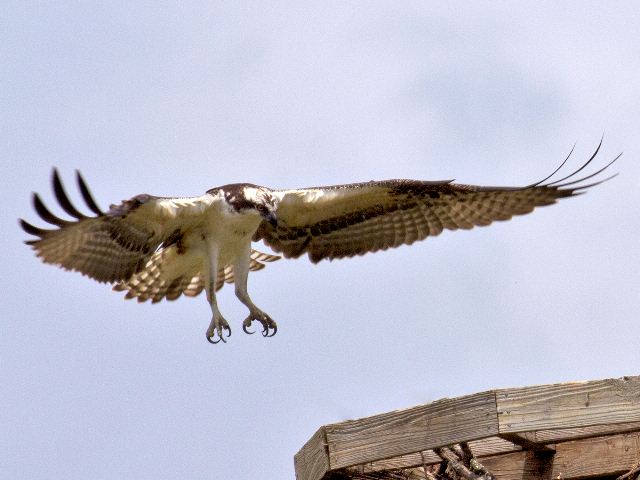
(210, 340)
(244, 327)
(267, 324)
(218, 327)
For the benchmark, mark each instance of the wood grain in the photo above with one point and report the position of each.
(593, 426)
(569, 405)
(521, 465)
(599, 456)
(312, 461)
(401, 432)
(564, 434)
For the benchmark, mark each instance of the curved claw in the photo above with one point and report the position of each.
(221, 338)
(269, 327)
(210, 340)
(244, 327)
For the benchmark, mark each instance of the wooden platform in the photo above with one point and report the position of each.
(568, 430)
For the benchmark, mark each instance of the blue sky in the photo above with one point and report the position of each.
(173, 99)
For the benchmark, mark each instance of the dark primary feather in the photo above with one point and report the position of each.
(108, 247)
(347, 220)
(134, 246)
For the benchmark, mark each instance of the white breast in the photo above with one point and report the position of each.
(228, 231)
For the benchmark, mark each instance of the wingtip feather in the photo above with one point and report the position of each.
(63, 198)
(32, 230)
(86, 194)
(45, 213)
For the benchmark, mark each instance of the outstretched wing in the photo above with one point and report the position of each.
(346, 220)
(112, 245)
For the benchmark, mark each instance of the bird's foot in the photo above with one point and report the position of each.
(218, 326)
(269, 327)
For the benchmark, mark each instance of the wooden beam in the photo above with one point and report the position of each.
(599, 456)
(524, 465)
(416, 429)
(564, 434)
(312, 461)
(590, 457)
(499, 445)
(569, 405)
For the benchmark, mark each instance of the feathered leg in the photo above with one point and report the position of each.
(218, 323)
(241, 273)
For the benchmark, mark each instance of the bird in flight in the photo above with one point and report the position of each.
(163, 247)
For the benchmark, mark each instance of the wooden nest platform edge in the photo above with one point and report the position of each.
(561, 431)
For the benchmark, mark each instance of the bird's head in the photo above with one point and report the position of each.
(246, 198)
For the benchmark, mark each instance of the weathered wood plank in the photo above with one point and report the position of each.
(528, 417)
(589, 457)
(562, 435)
(402, 432)
(496, 446)
(569, 405)
(480, 448)
(599, 456)
(524, 465)
(312, 461)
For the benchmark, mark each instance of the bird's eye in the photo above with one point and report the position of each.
(261, 208)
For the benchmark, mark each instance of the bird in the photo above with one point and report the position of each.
(155, 247)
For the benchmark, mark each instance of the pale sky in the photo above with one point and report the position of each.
(175, 99)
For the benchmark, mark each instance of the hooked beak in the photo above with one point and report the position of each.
(272, 219)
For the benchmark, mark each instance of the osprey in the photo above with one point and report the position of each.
(162, 247)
